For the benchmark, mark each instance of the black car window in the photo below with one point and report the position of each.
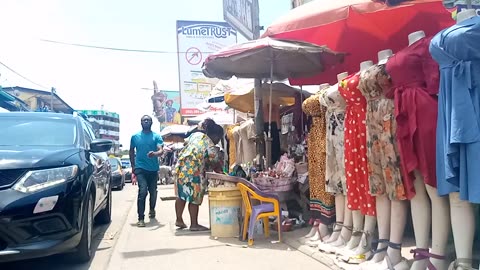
(31, 131)
(88, 138)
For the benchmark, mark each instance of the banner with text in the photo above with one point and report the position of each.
(195, 41)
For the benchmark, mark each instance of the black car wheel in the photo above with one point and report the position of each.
(84, 248)
(105, 216)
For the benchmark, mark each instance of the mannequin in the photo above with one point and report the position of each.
(383, 155)
(321, 202)
(458, 181)
(417, 149)
(335, 169)
(358, 248)
(338, 241)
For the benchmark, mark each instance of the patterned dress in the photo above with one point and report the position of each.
(335, 116)
(198, 157)
(322, 203)
(382, 153)
(356, 166)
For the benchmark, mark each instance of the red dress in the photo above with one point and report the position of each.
(356, 165)
(415, 82)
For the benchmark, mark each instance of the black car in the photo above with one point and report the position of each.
(54, 181)
(118, 175)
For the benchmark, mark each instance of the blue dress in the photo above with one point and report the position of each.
(457, 51)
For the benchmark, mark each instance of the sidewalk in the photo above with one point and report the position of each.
(161, 246)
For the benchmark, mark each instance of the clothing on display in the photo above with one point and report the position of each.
(322, 203)
(232, 150)
(335, 117)
(415, 80)
(457, 51)
(382, 153)
(247, 141)
(454, 3)
(275, 141)
(356, 166)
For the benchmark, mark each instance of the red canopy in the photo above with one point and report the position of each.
(359, 28)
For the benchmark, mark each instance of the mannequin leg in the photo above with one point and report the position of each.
(365, 244)
(397, 227)
(313, 231)
(383, 218)
(323, 231)
(463, 225)
(339, 211)
(358, 220)
(440, 227)
(422, 219)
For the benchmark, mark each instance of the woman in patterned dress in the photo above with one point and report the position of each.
(197, 157)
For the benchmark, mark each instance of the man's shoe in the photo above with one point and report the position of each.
(151, 214)
(141, 223)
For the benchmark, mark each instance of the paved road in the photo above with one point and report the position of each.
(104, 239)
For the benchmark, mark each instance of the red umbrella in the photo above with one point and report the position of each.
(360, 28)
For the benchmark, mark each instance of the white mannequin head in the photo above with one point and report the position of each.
(383, 56)
(415, 36)
(342, 76)
(365, 65)
(465, 14)
(324, 85)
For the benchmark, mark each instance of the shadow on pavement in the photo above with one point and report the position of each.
(160, 252)
(60, 261)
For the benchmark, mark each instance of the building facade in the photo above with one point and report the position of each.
(106, 126)
(39, 100)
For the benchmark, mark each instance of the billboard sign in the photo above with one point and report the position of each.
(166, 105)
(195, 41)
(243, 15)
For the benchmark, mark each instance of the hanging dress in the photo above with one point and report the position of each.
(382, 153)
(356, 166)
(335, 117)
(415, 79)
(322, 203)
(457, 51)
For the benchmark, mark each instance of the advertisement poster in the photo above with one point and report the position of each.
(166, 105)
(195, 41)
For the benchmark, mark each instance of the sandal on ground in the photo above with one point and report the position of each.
(456, 266)
(360, 258)
(378, 250)
(199, 228)
(423, 254)
(402, 265)
(180, 225)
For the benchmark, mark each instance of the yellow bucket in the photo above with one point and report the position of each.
(225, 205)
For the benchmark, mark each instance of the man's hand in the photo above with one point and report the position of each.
(134, 179)
(151, 154)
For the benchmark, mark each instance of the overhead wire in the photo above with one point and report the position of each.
(21, 76)
(114, 48)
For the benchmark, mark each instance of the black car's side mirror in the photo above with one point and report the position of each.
(100, 145)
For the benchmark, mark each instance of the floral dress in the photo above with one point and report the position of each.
(382, 153)
(322, 203)
(356, 165)
(199, 156)
(335, 116)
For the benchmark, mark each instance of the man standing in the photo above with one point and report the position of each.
(145, 165)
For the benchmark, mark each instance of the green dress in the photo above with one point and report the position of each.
(199, 156)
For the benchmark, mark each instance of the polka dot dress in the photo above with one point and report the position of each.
(356, 165)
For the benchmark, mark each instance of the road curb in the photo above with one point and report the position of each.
(313, 253)
(115, 261)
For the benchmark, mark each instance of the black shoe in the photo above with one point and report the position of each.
(151, 214)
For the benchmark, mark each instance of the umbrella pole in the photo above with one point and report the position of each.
(259, 129)
(269, 137)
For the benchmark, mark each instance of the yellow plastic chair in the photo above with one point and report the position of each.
(269, 206)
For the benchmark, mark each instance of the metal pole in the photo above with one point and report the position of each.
(259, 123)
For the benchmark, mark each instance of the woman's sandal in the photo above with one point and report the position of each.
(328, 248)
(402, 265)
(423, 254)
(378, 250)
(360, 258)
(456, 266)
